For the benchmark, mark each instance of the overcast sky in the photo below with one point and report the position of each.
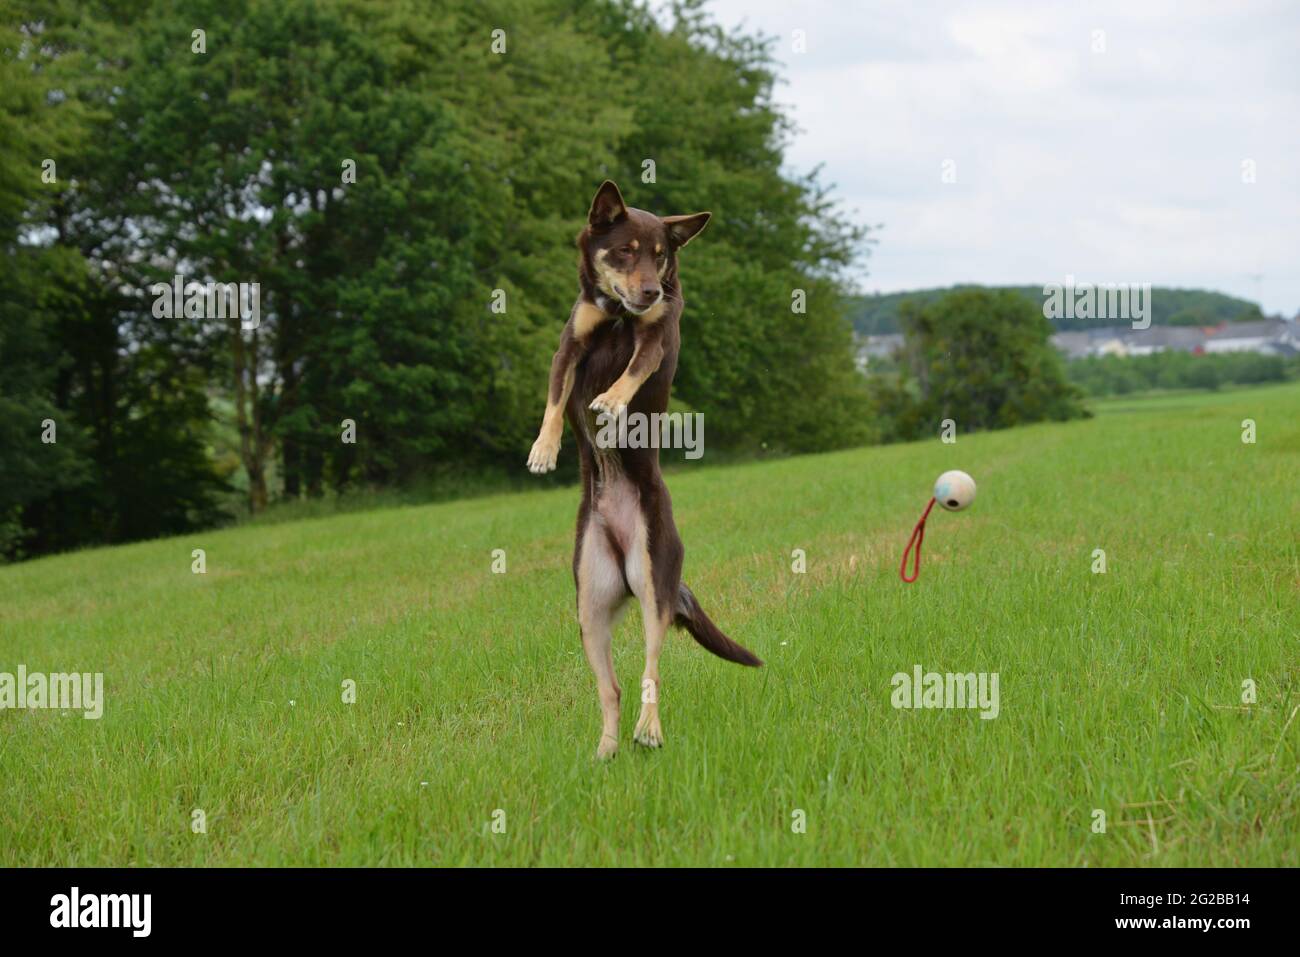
(1118, 166)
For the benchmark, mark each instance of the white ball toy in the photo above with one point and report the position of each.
(954, 490)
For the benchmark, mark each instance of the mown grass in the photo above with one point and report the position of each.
(1119, 691)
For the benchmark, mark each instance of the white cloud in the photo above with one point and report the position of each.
(1123, 165)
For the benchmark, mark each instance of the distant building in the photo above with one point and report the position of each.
(1265, 336)
(1075, 345)
(1143, 342)
(877, 347)
(1270, 336)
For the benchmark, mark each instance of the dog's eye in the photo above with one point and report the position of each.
(625, 250)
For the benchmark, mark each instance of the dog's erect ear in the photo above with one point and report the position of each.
(685, 228)
(608, 206)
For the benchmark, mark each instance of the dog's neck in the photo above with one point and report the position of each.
(609, 305)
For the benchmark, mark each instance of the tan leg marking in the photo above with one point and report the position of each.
(600, 595)
(546, 450)
(640, 576)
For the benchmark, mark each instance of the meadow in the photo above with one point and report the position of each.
(475, 720)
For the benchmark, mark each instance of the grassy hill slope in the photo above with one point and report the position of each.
(1119, 691)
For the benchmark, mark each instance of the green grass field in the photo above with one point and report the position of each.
(1119, 691)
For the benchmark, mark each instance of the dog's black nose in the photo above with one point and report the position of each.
(649, 296)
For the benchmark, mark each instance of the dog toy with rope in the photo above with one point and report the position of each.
(954, 491)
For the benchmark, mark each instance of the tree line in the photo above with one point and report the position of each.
(881, 314)
(403, 183)
(1122, 375)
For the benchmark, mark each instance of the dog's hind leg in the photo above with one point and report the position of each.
(601, 593)
(654, 567)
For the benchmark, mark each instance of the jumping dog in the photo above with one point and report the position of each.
(618, 354)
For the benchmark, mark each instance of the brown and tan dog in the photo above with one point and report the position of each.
(618, 352)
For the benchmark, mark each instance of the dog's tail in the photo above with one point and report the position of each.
(691, 616)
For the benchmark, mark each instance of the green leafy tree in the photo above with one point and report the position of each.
(128, 413)
(403, 182)
(767, 352)
(982, 358)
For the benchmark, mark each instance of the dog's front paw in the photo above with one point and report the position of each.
(610, 403)
(542, 458)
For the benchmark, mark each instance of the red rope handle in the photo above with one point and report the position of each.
(918, 536)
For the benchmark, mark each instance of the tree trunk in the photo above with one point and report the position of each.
(291, 456)
(252, 444)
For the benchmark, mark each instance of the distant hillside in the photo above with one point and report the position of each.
(878, 314)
